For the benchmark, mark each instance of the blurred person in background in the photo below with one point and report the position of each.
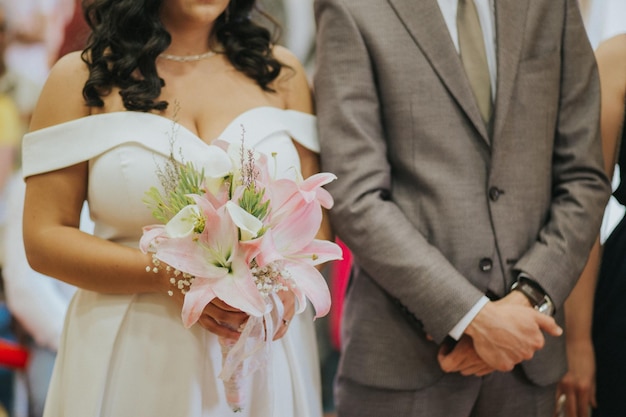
(76, 30)
(605, 19)
(297, 23)
(33, 307)
(12, 126)
(593, 329)
(12, 123)
(35, 30)
(10, 132)
(36, 301)
(15, 84)
(609, 314)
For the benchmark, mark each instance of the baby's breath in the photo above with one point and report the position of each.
(271, 278)
(180, 280)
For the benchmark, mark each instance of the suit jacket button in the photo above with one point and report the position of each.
(494, 193)
(485, 264)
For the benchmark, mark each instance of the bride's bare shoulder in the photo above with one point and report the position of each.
(292, 83)
(61, 98)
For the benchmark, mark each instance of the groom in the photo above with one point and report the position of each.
(465, 136)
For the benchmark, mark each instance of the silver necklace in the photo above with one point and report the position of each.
(187, 58)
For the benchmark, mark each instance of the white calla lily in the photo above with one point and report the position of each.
(215, 162)
(246, 222)
(217, 165)
(184, 222)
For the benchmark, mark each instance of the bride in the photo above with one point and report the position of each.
(103, 125)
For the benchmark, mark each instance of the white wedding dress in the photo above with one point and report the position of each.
(129, 355)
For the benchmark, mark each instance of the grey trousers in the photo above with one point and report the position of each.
(496, 395)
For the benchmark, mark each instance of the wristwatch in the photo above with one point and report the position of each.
(537, 296)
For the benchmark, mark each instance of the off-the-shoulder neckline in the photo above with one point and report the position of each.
(177, 125)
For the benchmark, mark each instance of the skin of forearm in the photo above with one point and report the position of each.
(92, 263)
(579, 305)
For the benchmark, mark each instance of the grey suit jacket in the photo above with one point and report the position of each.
(437, 211)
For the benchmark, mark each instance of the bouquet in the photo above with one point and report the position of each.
(229, 229)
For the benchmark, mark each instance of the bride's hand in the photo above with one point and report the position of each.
(217, 316)
(289, 303)
(222, 319)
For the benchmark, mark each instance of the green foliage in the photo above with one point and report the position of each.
(178, 181)
(252, 202)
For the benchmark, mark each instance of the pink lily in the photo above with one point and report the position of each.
(293, 242)
(151, 234)
(288, 196)
(218, 262)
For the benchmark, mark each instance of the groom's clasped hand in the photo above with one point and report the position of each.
(503, 334)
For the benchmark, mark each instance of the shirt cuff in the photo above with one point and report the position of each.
(457, 331)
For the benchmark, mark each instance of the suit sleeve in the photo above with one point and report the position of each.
(580, 189)
(353, 146)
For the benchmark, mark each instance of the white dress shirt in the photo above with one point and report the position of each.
(486, 15)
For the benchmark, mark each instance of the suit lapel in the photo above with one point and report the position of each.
(423, 20)
(510, 22)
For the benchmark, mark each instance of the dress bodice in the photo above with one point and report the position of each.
(126, 149)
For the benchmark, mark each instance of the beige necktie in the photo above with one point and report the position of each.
(474, 56)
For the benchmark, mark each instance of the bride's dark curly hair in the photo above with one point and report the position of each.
(128, 36)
